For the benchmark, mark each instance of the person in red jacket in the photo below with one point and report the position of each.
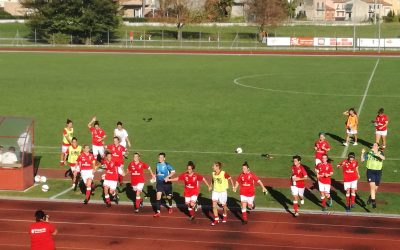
(42, 232)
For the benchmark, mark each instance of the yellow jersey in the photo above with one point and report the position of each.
(67, 133)
(352, 122)
(73, 154)
(220, 181)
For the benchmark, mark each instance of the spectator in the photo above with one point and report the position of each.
(1, 153)
(42, 232)
(9, 157)
(25, 147)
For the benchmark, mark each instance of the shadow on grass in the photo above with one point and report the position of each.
(280, 198)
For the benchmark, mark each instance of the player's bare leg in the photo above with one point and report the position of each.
(88, 191)
(383, 142)
(191, 209)
(224, 213)
(295, 205)
(323, 201)
(355, 139)
(215, 212)
(377, 138)
(373, 190)
(62, 159)
(74, 175)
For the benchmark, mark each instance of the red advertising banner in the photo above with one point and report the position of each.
(302, 41)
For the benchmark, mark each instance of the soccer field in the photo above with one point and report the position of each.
(204, 106)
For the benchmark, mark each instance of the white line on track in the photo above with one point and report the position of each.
(61, 193)
(193, 242)
(362, 102)
(106, 225)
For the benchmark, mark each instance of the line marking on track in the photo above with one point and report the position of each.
(346, 148)
(61, 193)
(28, 246)
(199, 229)
(177, 240)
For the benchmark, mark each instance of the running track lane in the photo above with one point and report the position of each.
(204, 52)
(96, 227)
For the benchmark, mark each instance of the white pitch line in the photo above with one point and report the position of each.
(59, 194)
(363, 101)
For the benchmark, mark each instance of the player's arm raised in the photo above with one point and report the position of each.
(91, 122)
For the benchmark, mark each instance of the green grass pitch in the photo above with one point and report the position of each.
(198, 111)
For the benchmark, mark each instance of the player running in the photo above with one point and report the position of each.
(246, 180)
(135, 169)
(324, 172)
(68, 133)
(98, 136)
(111, 179)
(219, 195)
(87, 166)
(117, 151)
(350, 178)
(351, 126)
(192, 187)
(297, 183)
(164, 171)
(73, 153)
(381, 123)
(321, 147)
(122, 134)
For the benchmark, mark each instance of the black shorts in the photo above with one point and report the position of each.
(374, 176)
(164, 187)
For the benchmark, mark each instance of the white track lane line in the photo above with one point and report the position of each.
(61, 193)
(343, 155)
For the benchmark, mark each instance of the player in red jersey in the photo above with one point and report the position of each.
(111, 179)
(350, 178)
(381, 123)
(98, 136)
(135, 169)
(118, 152)
(192, 187)
(247, 180)
(324, 173)
(321, 147)
(297, 183)
(87, 166)
(42, 232)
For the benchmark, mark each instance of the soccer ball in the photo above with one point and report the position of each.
(43, 179)
(37, 178)
(239, 150)
(152, 180)
(45, 188)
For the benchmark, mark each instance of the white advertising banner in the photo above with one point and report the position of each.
(392, 42)
(369, 43)
(278, 41)
(327, 41)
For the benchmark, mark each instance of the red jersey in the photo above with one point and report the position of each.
(111, 170)
(97, 134)
(349, 170)
(299, 172)
(247, 182)
(86, 161)
(41, 236)
(192, 183)
(324, 169)
(136, 170)
(117, 153)
(380, 122)
(322, 149)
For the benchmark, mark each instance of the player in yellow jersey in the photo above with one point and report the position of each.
(68, 133)
(220, 186)
(351, 126)
(73, 153)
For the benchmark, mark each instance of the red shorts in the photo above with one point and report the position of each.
(190, 192)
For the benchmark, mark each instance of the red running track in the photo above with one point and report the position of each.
(96, 227)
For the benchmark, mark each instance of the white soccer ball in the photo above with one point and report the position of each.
(37, 178)
(153, 180)
(43, 179)
(45, 188)
(239, 150)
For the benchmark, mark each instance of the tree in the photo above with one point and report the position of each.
(87, 21)
(217, 10)
(267, 12)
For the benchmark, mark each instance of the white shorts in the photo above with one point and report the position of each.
(247, 199)
(220, 197)
(351, 132)
(138, 187)
(325, 188)
(381, 133)
(74, 168)
(111, 184)
(64, 149)
(190, 199)
(317, 161)
(350, 184)
(297, 191)
(86, 174)
(98, 150)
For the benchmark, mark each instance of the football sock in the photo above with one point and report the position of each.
(191, 211)
(353, 198)
(107, 198)
(295, 206)
(158, 205)
(88, 192)
(323, 201)
(244, 214)
(137, 203)
(348, 199)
